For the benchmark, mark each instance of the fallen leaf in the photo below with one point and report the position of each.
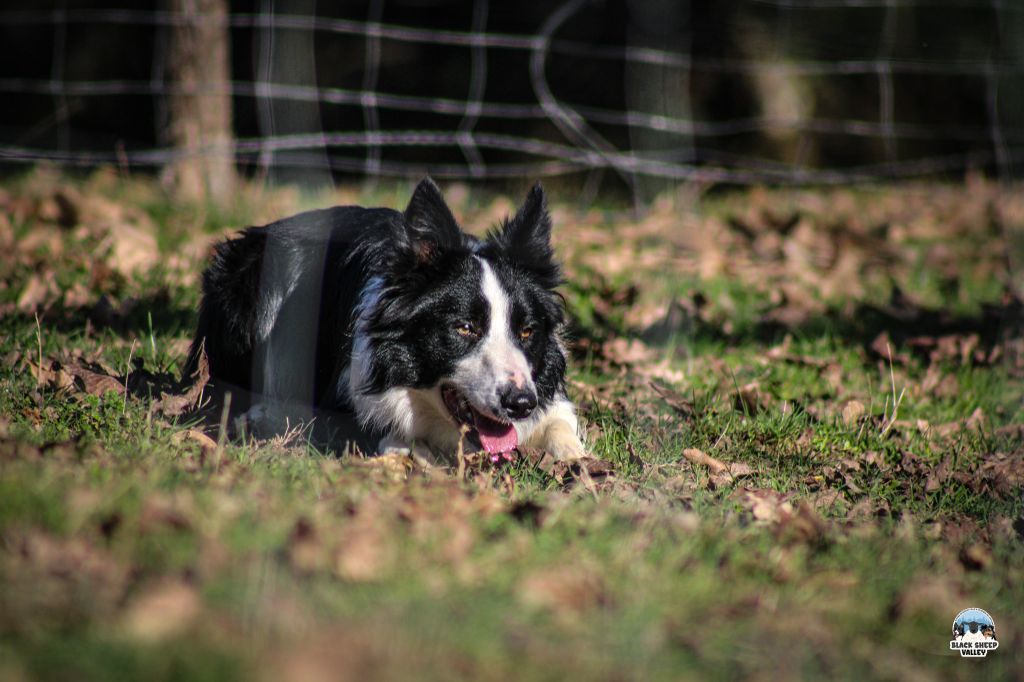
(38, 291)
(938, 475)
(395, 466)
(567, 590)
(364, 551)
(51, 373)
(748, 398)
(172, 405)
(788, 522)
(164, 610)
(853, 410)
(67, 578)
(870, 506)
(696, 456)
(827, 499)
(95, 383)
(305, 549)
(882, 346)
(585, 470)
(976, 421)
(975, 556)
(675, 400)
(929, 593)
(207, 445)
(160, 511)
(735, 470)
(78, 295)
(627, 351)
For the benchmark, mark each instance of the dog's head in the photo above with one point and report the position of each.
(475, 323)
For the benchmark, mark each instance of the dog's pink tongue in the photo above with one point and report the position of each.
(496, 437)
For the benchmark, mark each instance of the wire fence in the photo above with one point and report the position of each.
(654, 125)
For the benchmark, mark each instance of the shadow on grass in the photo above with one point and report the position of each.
(155, 312)
(858, 324)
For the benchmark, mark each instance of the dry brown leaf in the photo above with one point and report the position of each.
(789, 522)
(6, 234)
(78, 295)
(696, 456)
(675, 400)
(721, 474)
(162, 611)
(766, 505)
(827, 499)
(975, 556)
(50, 373)
(207, 445)
(39, 291)
(930, 593)
(627, 351)
(938, 475)
(749, 399)
(589, 471)
(869, 506)
(939, 383)
(160, 511)
(95, 383)
(976, 422)
(395, 466)
(305, 549)
(1001, 472)
(364, 552)
(172, 405)
(884, 349)
(567, 591)
(782, 353)
(70, 576)
(60, 207)
(735, 471)
(43, 245)
(853, 410)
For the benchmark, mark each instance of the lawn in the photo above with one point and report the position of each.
(805, 410)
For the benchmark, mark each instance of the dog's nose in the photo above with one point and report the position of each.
(518, 402)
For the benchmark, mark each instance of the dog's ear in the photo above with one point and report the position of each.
(429, 223)
(526, 238)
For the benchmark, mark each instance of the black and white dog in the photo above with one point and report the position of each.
(425, 333)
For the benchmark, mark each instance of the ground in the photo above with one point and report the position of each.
(804, 409)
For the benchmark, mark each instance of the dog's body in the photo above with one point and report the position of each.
(425, 333)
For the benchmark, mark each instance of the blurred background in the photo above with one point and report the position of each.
(624, 97)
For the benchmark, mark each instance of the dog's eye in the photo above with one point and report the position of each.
(525, 333)
(468, 330)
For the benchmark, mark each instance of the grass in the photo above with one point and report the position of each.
(842, 545)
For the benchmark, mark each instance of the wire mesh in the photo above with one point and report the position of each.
(552, 127)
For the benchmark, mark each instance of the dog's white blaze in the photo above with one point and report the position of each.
(501, 357)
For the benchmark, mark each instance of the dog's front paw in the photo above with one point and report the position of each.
(421, 454)
(270, 419)
(260, 421)
(561, 441)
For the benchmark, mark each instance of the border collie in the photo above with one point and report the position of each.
(427, 334)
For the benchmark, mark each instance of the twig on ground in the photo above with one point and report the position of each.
(222, 431)
(891, 419)
(127, 371)
(39, 342)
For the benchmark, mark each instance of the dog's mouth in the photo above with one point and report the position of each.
(495, 436)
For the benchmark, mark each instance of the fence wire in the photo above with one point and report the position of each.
(547, 133)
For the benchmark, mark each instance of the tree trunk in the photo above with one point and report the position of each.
(200, 102)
